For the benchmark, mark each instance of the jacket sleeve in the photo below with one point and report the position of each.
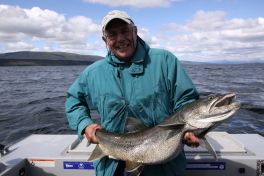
(76, 107)
(182, 88)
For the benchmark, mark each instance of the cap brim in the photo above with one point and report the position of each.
(124, 19)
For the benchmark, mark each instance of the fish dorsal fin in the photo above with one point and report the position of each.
(96, 154)
(171, 126)
(132, 166)
(206, 145)
(138, 171)
(134, 125)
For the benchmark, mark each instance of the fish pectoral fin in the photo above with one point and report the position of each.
(138, 171)
(132, 166)
(171, 126)
(206, 145)
(134, 125)
(96, 154)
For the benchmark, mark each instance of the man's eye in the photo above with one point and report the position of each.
(125, 32)
(111, 35)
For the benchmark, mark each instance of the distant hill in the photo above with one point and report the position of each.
(222, 62)
(28, 58)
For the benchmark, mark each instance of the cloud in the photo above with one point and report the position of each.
(20, 46)
(206, 36)
(17, 46)
(211, 36)
(145, 33)
(134, 3)
(48, 48)
(35, 24)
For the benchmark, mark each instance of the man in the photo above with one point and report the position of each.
(133, 80)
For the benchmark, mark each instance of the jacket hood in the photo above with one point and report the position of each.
(141, 50)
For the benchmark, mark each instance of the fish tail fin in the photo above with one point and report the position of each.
(96, 154)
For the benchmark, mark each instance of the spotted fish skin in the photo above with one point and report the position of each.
(162, 143)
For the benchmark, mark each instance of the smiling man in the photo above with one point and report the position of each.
(133, 80)
(122, 46)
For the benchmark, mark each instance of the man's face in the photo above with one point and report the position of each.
(123, 46)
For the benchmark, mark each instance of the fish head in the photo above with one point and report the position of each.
(208, 113)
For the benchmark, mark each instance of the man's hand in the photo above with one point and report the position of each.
(190, 140)
(90, 132)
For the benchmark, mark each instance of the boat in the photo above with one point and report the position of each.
(66, 155)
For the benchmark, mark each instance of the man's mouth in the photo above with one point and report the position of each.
(122, 46)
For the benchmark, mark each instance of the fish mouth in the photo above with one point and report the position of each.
(223, 101)
(222, 108)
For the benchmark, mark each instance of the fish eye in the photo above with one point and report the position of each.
(210, 97)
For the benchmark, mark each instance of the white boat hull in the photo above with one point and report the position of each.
(65, 155)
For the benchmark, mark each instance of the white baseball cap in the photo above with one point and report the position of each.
(113, 15)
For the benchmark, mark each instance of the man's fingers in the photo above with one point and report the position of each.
(190, 140)
(90, 131)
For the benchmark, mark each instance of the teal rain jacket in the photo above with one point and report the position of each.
(150, 88)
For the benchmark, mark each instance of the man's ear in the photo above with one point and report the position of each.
(135, 29)
(104, 39)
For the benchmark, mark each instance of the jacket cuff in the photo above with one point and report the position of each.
(82, 125)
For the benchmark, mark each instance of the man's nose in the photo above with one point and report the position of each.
(120, 36)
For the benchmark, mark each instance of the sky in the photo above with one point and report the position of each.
(193, 30)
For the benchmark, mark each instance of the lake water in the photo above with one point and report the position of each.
(32, 98)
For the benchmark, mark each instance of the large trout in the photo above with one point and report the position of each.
(162, 143)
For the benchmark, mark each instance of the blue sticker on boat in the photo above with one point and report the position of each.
(77, 165)
(206, 166)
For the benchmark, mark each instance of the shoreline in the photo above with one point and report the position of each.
(30, 62)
